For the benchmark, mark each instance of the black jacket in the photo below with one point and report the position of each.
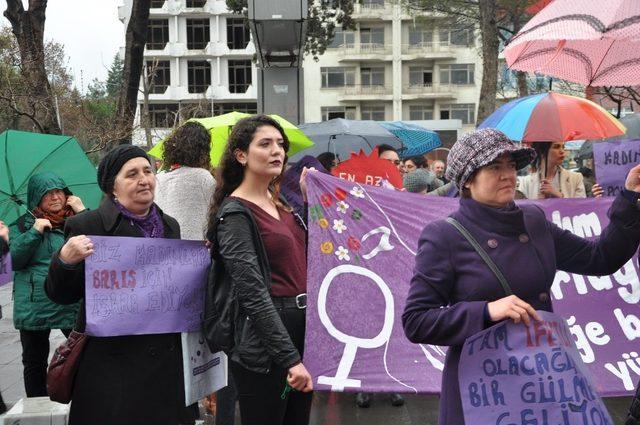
(134, 379)
(240, 258)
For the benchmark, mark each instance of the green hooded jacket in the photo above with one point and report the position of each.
(30, 256)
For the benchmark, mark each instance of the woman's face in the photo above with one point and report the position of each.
(53, 201)
(135, 185)
(265, 155)
(410, 166)
(495, 183)
(556, 154)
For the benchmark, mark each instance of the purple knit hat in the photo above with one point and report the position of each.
(477, 149)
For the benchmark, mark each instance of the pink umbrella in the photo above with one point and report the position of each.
(591, 42)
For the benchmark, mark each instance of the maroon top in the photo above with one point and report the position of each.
(285, 243)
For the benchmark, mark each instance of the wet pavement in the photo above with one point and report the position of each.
(328, 408)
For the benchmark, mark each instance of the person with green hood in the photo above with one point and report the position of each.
(35, 236)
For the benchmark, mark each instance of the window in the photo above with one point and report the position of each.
(420, 112)
(372, 36)
(420, 36)
(456, 37)
(196, 3)
(156, 4)
(457, 74)
(197, 33)
(223, 108)
(420, 76)
(201, 109)
(199, 73)
(372, 76)
(163, 115)
(337, 76)
(239, 76)
(373, 4)
(159, 76)
(342, 39)
(157, 34)
(462, 111)
(372, 112)
(237, 34)
(331, 112)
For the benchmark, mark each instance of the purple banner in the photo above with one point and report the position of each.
(613, 160)
(137, 286)
(362, 244)
(5, 269)
(512, 373)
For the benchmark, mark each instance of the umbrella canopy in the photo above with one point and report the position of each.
(417, 140)
(586, 42)
(220, 127)
(24, 154)
(553, 117)
(342, 137)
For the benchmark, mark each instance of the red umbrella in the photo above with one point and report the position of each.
(590, 42)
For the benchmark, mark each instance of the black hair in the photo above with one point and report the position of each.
(385, 147)
(189, 145)
(420, 161)
(326, 159)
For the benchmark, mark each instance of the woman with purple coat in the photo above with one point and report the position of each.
(454, 294)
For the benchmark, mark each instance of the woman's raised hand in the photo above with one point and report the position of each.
(303, 181)
(75, 203)
(512, 307)
(300, 379)
(76, 249)
(633, 179)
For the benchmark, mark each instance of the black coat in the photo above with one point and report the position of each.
(126, 379)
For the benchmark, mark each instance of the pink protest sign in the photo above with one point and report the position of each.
(137, 286)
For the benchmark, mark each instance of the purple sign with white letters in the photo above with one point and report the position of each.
(513, 373)
(612, 161)
(137, 286)
(5, 269)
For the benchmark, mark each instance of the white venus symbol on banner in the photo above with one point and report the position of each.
(341, 380)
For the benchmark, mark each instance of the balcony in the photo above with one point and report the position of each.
(365, 92)
(368, 10)
(365, 51)
(428, 91)
(429, 50)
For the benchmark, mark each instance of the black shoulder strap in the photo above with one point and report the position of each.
(494, 268)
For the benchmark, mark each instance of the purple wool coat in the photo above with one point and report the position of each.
(452, 284)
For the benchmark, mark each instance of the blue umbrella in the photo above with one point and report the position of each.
(417, 140)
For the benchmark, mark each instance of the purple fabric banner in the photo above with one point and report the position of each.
(362, 244)
(137, 286)
(5, 269)
(612, 161)
(517, 374)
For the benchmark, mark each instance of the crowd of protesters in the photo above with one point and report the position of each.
(258, 241)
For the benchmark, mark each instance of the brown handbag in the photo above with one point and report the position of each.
(63, 367)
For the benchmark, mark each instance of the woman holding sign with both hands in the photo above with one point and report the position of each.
(455, 294)
(135, 379)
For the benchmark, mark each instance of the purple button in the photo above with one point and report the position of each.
(523, 238)
(492, 243)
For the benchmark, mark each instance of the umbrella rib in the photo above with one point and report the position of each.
(40, 163)
(6, 161)
(595, 73)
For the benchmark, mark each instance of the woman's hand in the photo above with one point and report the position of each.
(548, 191)
(76, 249)
(299, 378)
(633, 179)
(512, 307)
(597, 191)
(75, 203)
(4, 231)
(41, 224)
(303, 181)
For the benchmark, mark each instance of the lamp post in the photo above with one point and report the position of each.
(278, 28)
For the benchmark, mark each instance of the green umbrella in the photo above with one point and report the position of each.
(24, 154)
(220, 127)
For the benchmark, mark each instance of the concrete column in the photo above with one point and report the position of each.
(396, 31)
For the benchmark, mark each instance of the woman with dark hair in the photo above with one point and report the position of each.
(259, 249)
(548, 179)
(414, 163)
(188, 182)
(132, 379)
(329, 160)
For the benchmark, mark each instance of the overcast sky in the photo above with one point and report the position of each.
(90, 31)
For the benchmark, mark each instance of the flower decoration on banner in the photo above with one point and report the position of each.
(353, 243)
(356, 214)
(357, 192)
(341, 194)
(316, 213)
(323, 223)
(326, 200)
(339, 226)
(343, 254)
(342, 207)
(326, 247)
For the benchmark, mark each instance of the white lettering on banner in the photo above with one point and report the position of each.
(622, 368)
(583, 225)
(347, 177)
(593, 333)
(628, 276)
(630, 324)
(383, 245)
(341, 380)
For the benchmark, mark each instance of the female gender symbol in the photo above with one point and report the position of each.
(341, 380)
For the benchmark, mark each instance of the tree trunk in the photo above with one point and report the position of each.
(28, 27)
(490, 45)
(145, 119)
(132, 70)
(523, 86)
